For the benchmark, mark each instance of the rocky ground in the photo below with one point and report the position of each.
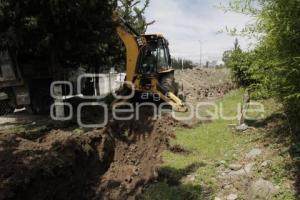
(263, 167)
(239, 180)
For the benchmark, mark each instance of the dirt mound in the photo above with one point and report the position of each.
(204, 84)
(57, 165)
(113, 163)
(136, 157)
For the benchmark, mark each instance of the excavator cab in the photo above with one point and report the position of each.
(155, 56)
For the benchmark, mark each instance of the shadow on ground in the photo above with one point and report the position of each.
(170, 187)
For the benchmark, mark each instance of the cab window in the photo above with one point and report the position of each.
(149, 61)
(162, 58)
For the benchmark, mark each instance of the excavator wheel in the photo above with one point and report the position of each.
(40, 97)
(6, 108)
(168, 83)
(180, 92)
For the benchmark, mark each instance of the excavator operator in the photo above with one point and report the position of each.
(149, 63)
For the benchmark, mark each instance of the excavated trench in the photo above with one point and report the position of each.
(113, 163)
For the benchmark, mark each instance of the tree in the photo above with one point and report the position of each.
(133, 11)
(226, 56)
(236, 45)
(66, 33)
(182, 63)
(207, 64)
(60, 31)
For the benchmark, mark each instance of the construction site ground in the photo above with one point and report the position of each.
(137, 159)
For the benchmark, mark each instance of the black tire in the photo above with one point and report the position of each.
(40, 98)
(180, 92)
(6, 108)
(168, 83)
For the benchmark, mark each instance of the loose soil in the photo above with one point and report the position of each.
(112, 163)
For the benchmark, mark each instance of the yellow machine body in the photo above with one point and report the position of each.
(134, 45)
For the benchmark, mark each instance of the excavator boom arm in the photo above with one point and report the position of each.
(132, 52)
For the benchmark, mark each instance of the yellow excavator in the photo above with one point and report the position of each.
(148, 65)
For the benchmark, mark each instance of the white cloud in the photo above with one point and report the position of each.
(185, 23)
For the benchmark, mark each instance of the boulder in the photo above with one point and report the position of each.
(262, 190)
(232, 197)
(254, 153)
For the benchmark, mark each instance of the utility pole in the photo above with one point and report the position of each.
(200, 42)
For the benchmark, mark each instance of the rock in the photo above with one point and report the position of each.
(228, 187)
(262, 190)
(236, 176)
(136, 172)
(249, 167)
(128, 179)
(242, 172)
(217, 198)
(191, 178)
(242, 127)
(232, 197)
(253, 153)
(266, 163)
(223, 162)
(220, 163)
(235, 167)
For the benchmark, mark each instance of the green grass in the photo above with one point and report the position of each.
(23, 128)
(163, 191)
(210, 143)
(212, 140)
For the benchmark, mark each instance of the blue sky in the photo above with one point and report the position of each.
(187, 22)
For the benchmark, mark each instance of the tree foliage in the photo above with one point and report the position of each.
(57, 30)
(226, 56)
(239, 63)
(182, 63)
(69, 33)
(133, 11)
(275, 62)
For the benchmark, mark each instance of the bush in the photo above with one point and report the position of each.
(239, 62)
